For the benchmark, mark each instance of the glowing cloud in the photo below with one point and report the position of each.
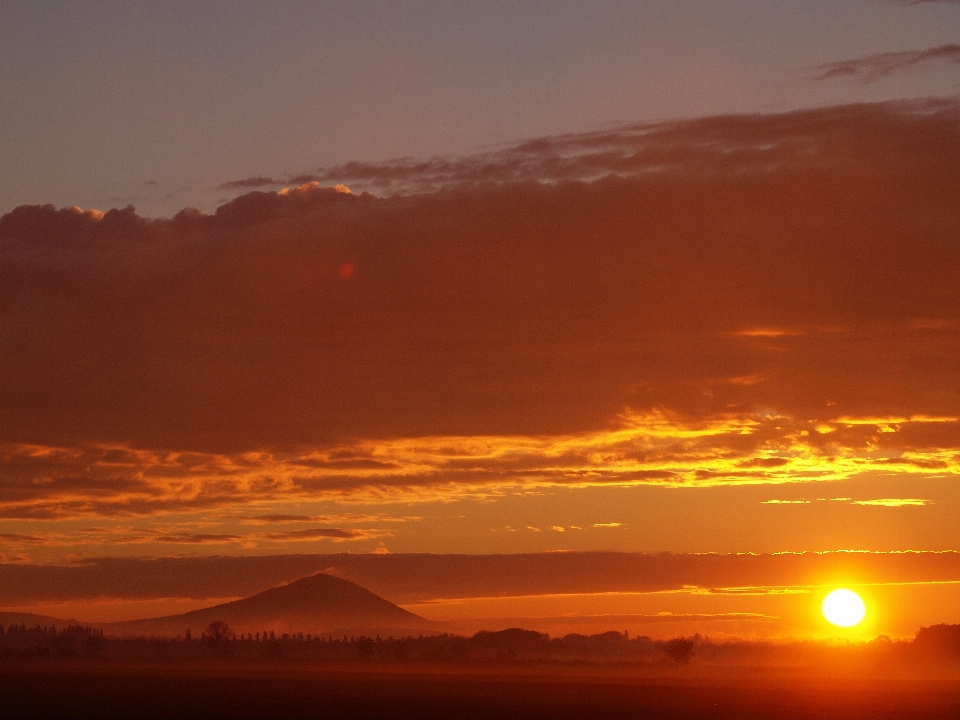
(893, 502)
(724, 301)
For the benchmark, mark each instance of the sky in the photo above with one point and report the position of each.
(515, 280)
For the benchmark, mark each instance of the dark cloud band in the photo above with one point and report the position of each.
(419, 578)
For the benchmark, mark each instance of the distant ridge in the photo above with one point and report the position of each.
(316, 604)
(31, 620)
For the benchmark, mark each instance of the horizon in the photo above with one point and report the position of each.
(553, 593)
(244, 614)
(519, 314)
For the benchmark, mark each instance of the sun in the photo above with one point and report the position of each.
(843, 608)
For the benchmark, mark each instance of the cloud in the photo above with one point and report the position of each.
(23, 539)
(621, 619)
(876, 67)
(880, 502)
(121, 535)
(683, 304)
(653, 449)
(422, 577)
(198, 539)
(707, 147)
(268, 519)
(768, 332)
(894, 502)
(250, 183)
(338, 518)
(335, 534)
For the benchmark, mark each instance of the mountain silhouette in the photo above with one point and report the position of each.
(316, 604)
(31, 620)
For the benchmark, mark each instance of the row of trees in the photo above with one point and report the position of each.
(219, 639)
(515, 643)
(938, 644)
(71, 640)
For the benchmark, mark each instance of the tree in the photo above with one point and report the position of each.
(680, 650)
(217, 637)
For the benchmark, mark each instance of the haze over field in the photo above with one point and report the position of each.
(642, 316)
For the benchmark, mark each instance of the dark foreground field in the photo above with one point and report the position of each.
(63, 691)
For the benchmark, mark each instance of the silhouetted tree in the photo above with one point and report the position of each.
(938, 641)
(680, 650)
(217, 637)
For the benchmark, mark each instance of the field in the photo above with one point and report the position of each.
(65, 690)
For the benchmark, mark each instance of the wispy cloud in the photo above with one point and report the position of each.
(893, 502)
(26, 538)
(653, 449)
(335, 534)
(198, 539)
(879, 502)
(338, 518)
(250, 183)
(142, 536)
(707, 147)
(872, 68)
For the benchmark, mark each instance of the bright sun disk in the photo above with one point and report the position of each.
(843, 608)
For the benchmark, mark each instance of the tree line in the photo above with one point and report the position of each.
(937, 644)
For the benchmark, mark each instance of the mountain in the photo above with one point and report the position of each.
(31, 621)
(318, 604)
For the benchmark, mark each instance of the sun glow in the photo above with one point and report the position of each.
(843, 608)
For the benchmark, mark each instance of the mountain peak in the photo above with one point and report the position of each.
(318, 604)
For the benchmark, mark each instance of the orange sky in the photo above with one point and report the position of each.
(731, 334)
